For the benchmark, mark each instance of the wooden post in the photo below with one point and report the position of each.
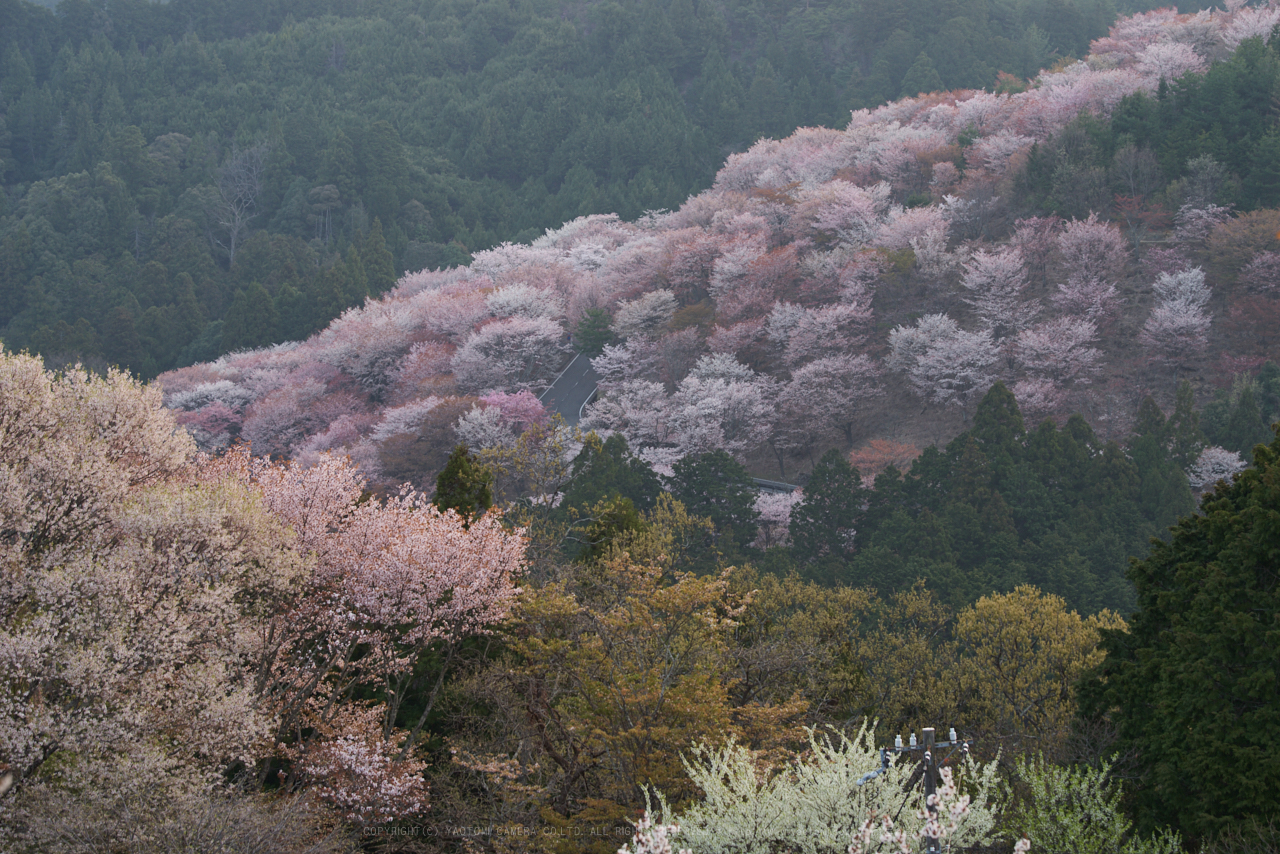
(930, 784)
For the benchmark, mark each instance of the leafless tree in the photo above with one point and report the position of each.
(239, 185)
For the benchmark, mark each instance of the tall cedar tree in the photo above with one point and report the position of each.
(716, 485)
(1191, 687)
(822, 524)
(463, 485)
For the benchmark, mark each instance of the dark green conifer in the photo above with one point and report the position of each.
(463, 485)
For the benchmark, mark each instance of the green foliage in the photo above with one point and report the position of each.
(1000, 507)
(1210, 135)
(824, 521)
(464, 485)
(593, 331)
(1234, 419)
(717, 486)
(1191, 687)
(607, 467)
(1077, 810)
(608, 521)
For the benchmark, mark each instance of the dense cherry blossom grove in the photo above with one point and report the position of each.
(165, 616)
(768, 313)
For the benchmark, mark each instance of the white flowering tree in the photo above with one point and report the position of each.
(823, 802)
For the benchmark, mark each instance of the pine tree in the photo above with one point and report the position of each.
(1245, 428)
(921, 77)
(356, 284)
(463, 485)
(1182, 430)
(716, 485)
(379, 265)
(823, 523)
(1191, 686)
(251, 320)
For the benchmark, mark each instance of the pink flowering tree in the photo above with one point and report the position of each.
(828, 396)
(944, 364)
(1178, 329)
(775, 517)
(518, 353)
(391, 580)
(996, 283)
(1262, 273)
(1037, 238)
(1213, 464)
(1058, 351)
(1093, 250)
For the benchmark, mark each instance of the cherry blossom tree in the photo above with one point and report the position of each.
(618, 363)
(523, 300)
(721, 405)
(519, 410)
(481, 428)
(775, 517)
(1187, 287)
(1057, 350)
(1159, 260)
(1169, 60)
(425, 370)
(498, 419)
(828, 395)
(1037, 237)
(804, 334)
(1178, 329)
(356, 771)
(392, 579)
(641, 317)
(737, 338)
(690, 259)
(748, 278)
(846, 210)
(1093, 250)
(1262, 273)
(518, 353)
(1194, 223)
(957, 369)
(676, 354)
(907, 344)
(905, 224)
(1091, 297)
(1038, 397)
(996, 282)
(638, 409)
(1213, 464)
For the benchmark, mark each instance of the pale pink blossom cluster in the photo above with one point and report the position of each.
(173, 615)
(651, 838)
(1213, 464)
(941, 817)
(775, 517)
(1178, 328)
(776, 265)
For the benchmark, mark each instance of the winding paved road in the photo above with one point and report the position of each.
(572, 390)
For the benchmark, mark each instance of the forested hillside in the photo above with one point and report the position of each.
(863, 289)
(186, 179)
(362, 590)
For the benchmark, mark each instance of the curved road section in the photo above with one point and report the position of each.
(572, 390)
